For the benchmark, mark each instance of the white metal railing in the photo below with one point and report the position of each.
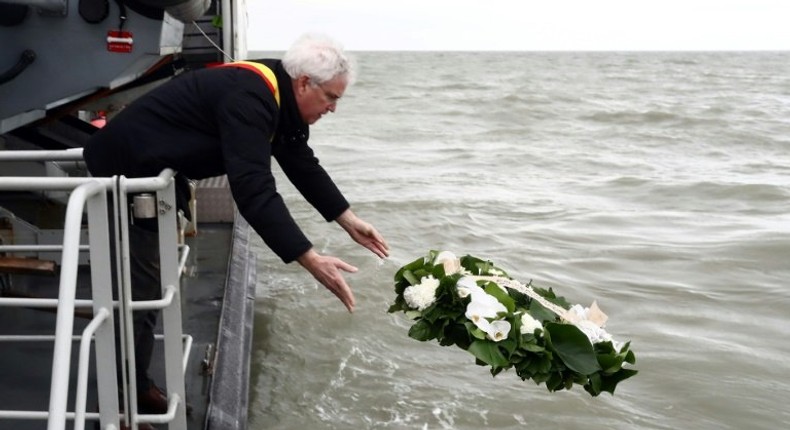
(90, 194)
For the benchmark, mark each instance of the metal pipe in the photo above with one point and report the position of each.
(73, 154)
(33, 338)
(41, 303)
(121, 207)
(227, 31)
(186, 340)
(182, 263)
(65, 319)
(82, 367)
(172, 404)
(42, 415)
(39, 248)
(26, 183)
(147, 305)
(187, 349)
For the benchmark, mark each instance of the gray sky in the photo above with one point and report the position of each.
(524, 24)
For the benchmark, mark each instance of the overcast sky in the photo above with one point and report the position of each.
(524, 24)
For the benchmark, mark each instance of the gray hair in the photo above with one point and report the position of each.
(320, 58)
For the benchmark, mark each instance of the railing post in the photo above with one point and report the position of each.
(171, 315)
(128, 368)
(65, 317)
(101, 284)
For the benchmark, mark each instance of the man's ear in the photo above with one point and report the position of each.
(302, 82)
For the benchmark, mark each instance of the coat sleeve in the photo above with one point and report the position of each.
(302, 168)
(247, 120)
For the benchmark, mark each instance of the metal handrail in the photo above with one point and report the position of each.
(133, 185)
(73, 154)
(67, 292)
(83, 190)
(82, 372)
(34, 248)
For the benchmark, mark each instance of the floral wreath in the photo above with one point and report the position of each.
(471, 303)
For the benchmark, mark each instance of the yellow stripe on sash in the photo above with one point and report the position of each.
(266, 73)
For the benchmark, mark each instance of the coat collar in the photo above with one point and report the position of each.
(291, 128)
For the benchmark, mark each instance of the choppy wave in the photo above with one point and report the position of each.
(657, 184)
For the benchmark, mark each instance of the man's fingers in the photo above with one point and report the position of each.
(376, 243)
(342, 265)
(337, 284)
(343, 292)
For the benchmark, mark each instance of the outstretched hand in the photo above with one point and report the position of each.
(363, 233)
(326, 270)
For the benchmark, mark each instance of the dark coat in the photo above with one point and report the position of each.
(218, 121)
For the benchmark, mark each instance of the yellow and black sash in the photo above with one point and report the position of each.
(266, 73)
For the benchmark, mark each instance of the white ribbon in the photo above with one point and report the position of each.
(595, 315)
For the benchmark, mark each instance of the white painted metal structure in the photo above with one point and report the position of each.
(90, 194)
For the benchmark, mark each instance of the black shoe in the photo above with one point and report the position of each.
(152, 401)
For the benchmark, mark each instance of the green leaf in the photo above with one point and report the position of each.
(508, 345)
(409, 276)
(554, 382)
(540, 313)
(522, 300)
(488, 352)
(553, 298)
(609, 382)
(610, 363)
(422, 331)
(414, 265)
(457, 334)
(533, 347)
(573, 347)
(493, 290)
(477, 333)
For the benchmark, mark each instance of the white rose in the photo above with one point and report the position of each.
(422, 295)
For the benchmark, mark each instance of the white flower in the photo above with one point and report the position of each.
(422, 295)
(529, 324)
(467, 282)
(578, 311)
(593, 332)
(468, 285)
(444, 256)
(495, 272)
(478, 310)
(450, 262)
(588, 321)
(483, 306)
(495, 330)
(465, 286)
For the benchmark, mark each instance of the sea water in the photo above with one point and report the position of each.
(657, 184)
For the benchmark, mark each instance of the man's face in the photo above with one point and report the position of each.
(316, 100)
